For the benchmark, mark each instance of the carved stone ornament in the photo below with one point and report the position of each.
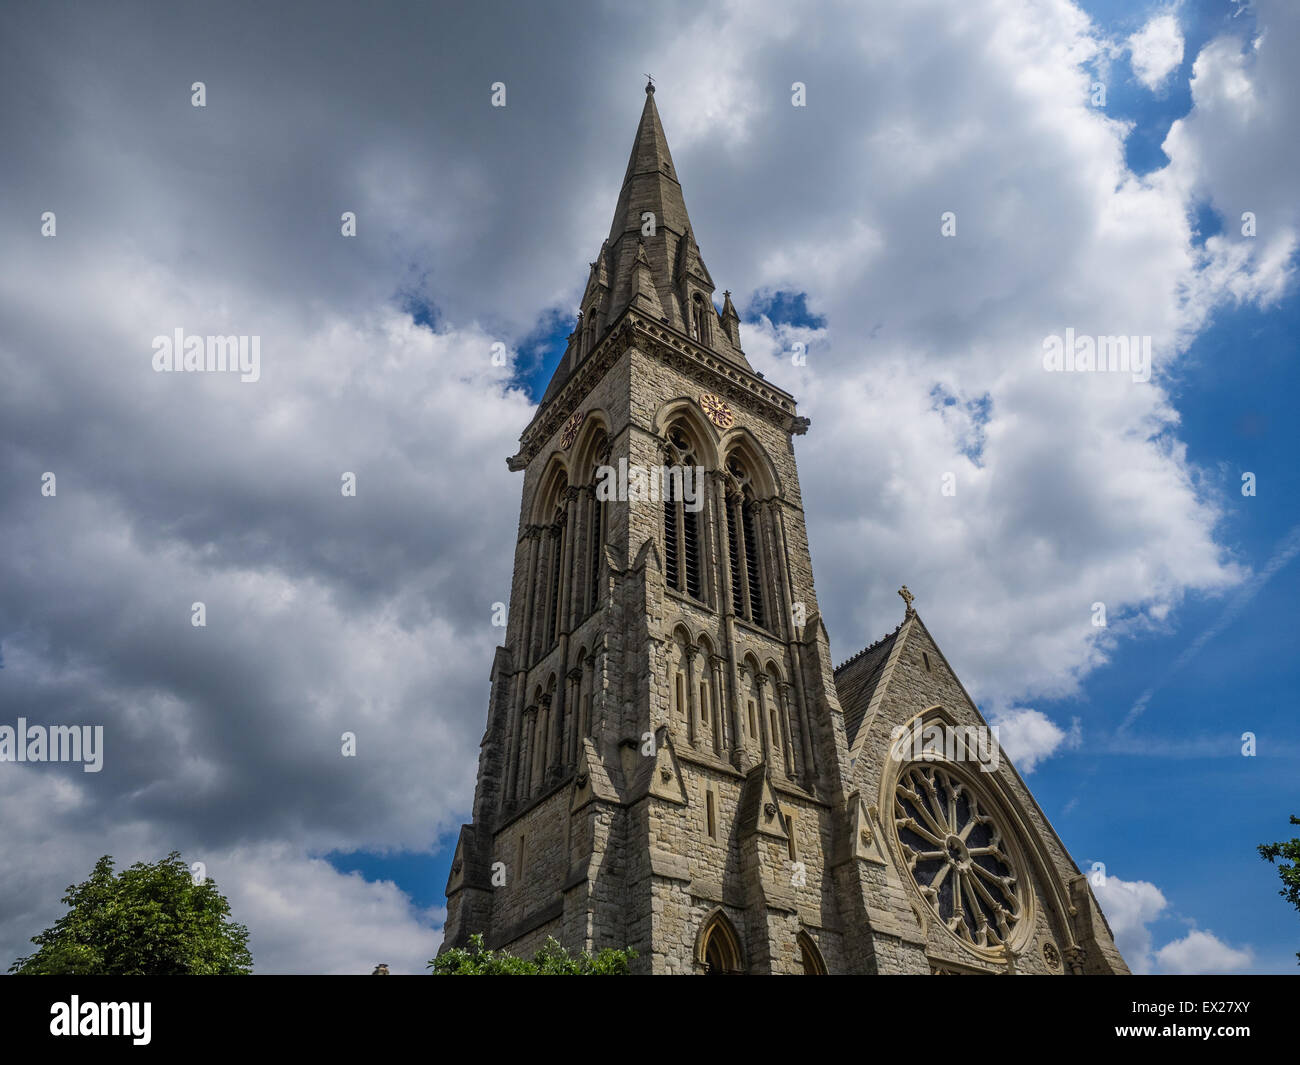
(1051, 955)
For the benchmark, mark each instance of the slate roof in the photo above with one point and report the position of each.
(856, 681)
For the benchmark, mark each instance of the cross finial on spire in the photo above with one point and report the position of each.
(649, 84)
(907, 598)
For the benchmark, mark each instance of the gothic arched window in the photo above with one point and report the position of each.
(718, 948)
(958, 854)
(682, 527)
(809, 956)
(554, 593)
(547, 614)
(679, 694)
(596, 531)
(744, 546)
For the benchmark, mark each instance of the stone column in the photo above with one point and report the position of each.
(511, 766)
(782, 696)
(573, 705)
(526, 752)
(534, 534)
(765, 738)
(720, 738)
(545, 740)
(588, 698)
(692, 726)
(796, 660)
(725, 606)
(704, 527)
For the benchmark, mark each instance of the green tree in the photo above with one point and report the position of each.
(551, 960)
(148, 920)
(1289, 850)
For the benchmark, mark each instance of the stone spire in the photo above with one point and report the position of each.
(662, 269)
(650, 186)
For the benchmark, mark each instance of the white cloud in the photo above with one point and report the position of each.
(1156, 50)
(1236, 151)
(1201, 952)
(305, 916)
(1029, 736)
(1130, 905)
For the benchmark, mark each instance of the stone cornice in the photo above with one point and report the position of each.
(742, 387)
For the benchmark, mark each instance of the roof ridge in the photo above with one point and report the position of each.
(853, 658)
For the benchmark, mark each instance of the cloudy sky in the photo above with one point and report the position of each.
(1098, 158)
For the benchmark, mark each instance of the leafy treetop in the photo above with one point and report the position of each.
(148, 920)
(551, 960)
(1290, 874)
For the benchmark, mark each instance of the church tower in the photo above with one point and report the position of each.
(671, 762)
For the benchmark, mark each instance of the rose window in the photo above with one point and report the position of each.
(956, 853)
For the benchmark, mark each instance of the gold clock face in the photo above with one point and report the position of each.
(571, 429)
(716, 408)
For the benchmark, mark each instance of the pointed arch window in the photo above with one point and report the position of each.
(549, 592)
(810, 957)
(596, 528)
(718, 948)
(752, 565)
(744, 546)
(682, 528)
(555, 590)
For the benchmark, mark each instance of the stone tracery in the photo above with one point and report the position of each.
(955, 850)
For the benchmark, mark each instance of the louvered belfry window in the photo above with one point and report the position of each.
(733, 558)
(691, 552)
(557, 562)
(670, 544)
(683, 530)
(744, 546)
(751, 563)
